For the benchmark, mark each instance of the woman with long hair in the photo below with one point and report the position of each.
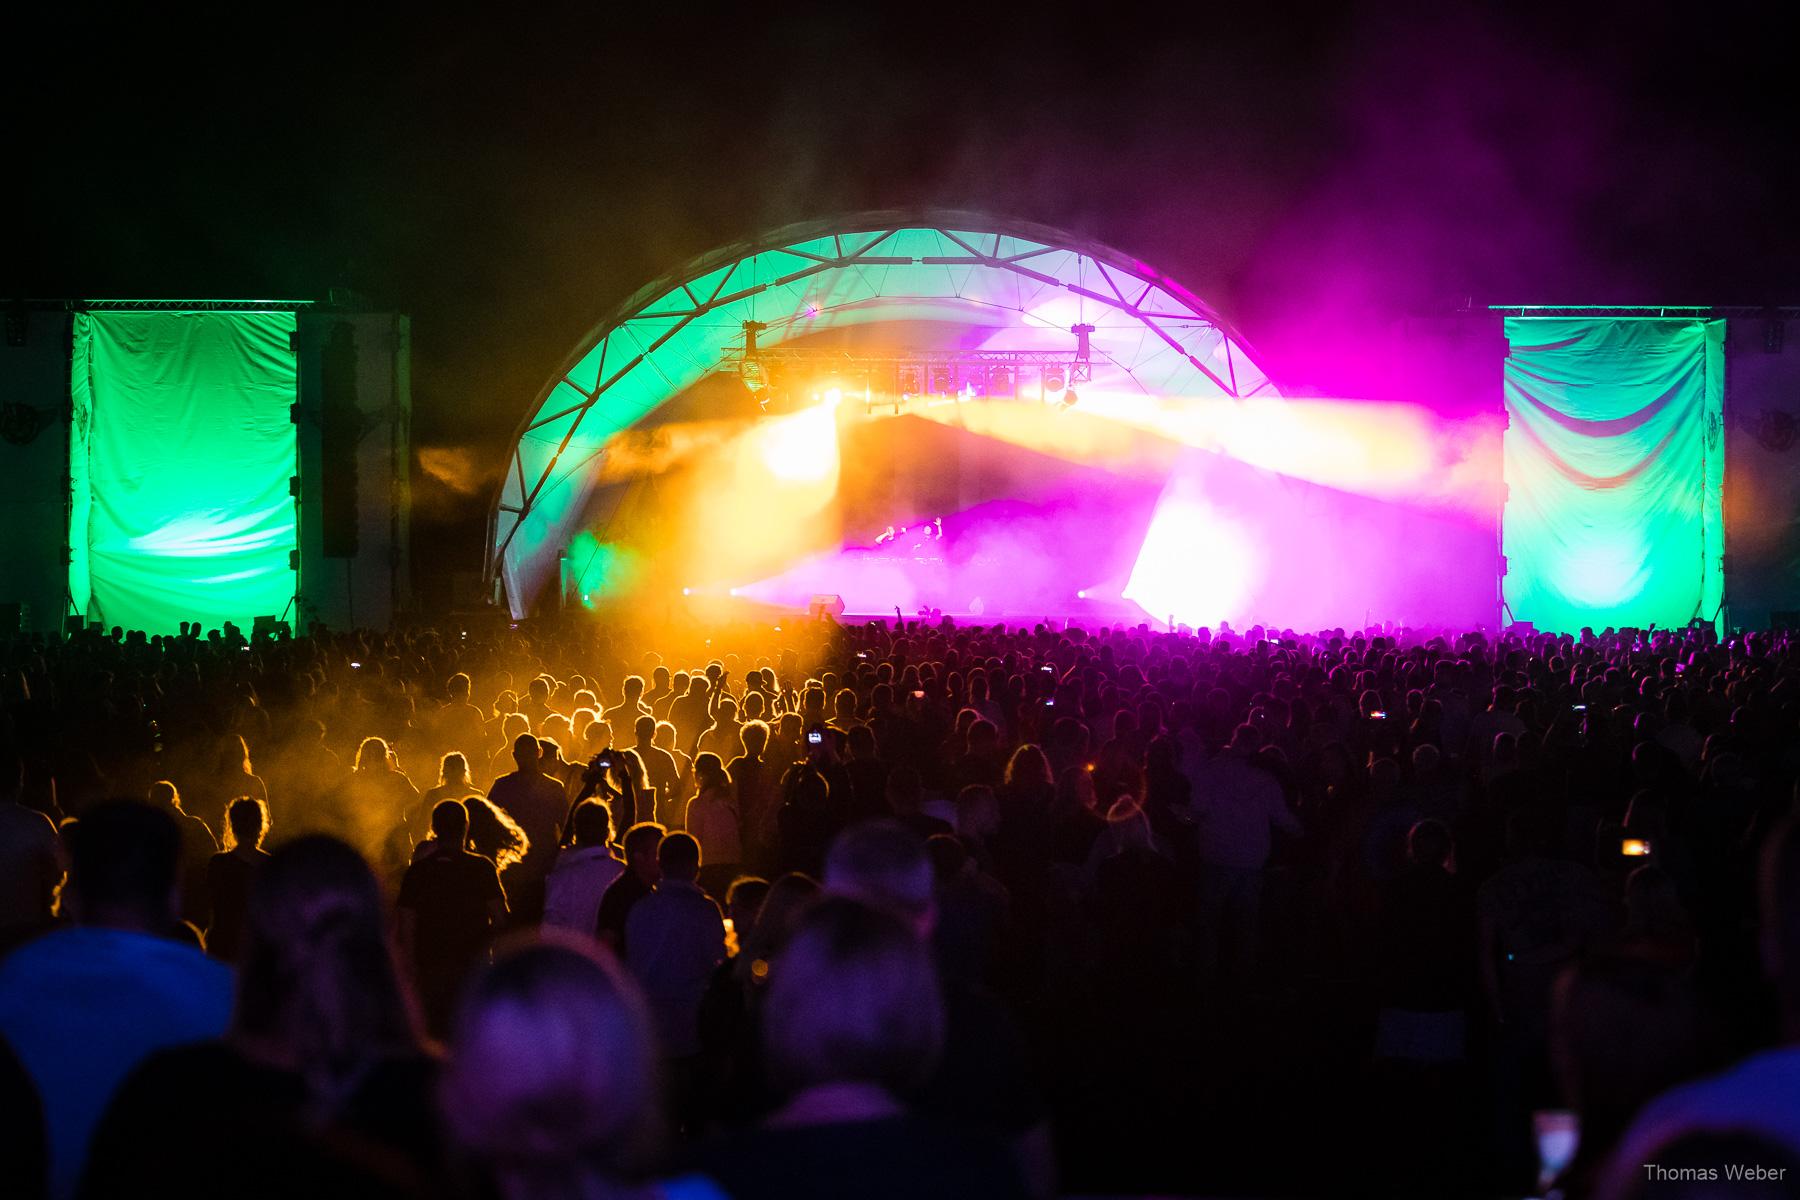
(380, 796)
(852, 1024)
(712, 818)
(495, 835)
(227, 776)
(453, 783)
(320, 1084)
(230, 873)
(550, 1092)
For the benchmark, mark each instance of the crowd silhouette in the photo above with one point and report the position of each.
(899, 909)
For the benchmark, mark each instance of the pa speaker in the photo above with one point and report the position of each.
(340, 434)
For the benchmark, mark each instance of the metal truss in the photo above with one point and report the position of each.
(715, 281)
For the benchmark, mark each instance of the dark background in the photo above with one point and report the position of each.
(506, 178)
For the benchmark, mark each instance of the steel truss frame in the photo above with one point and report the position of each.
(705, 285)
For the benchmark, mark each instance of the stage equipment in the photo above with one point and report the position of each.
(1614, 465)
(194, 463)
(182, 453)
(971, 283)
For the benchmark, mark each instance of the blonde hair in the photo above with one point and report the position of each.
(550, 1087)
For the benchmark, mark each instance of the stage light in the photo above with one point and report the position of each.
(833, 397)
(1053, 379)
(909, 381)
(1082, 594)
(751, 372)
(687, 591)
(1083, 347)
(801, 448)
(941, 380)
(1196, 564)
(1069, 398)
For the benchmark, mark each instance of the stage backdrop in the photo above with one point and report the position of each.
(181, 451)
(1614, 467)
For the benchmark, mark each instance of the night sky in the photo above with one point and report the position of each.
(507, 179)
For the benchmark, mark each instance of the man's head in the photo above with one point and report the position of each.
(459, 688)
(853, 998)
(1429, 843)
(640, 844)
(450, 822)
(755, 736)
(645, 728)
(634, 688)
(593, 823)
(743, 900)
(123, 864)
(678, 857)
(527, 753)
(1246, 740)
(883, 864)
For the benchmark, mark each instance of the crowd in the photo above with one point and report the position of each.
(898, 909)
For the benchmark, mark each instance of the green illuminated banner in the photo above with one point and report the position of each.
(181, 450)
(1614, 467)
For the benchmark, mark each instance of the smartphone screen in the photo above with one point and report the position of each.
(1558, 1133)
(1634, 848)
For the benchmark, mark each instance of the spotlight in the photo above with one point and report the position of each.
(834, 396)
(941, 380)
(1082, 594)
(909, 381)
(1069, 398)
(1083, 348)
(1000, 382)
(1053, 379)
(750, 370)
(687, 591)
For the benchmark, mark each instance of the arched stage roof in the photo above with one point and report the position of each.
(1027, 283)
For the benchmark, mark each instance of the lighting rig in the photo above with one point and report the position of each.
(784, 378)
